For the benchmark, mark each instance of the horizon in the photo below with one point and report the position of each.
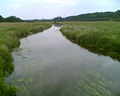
(58, 16)
(48, 9)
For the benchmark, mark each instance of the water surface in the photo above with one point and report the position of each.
(47, 64)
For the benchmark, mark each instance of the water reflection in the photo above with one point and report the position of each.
(50, 65)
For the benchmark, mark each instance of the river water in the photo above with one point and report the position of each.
(47, 64)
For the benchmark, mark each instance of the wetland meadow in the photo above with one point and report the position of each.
(74, 59)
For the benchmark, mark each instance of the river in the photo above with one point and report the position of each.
(47, 64)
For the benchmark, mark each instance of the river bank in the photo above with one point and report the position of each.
(10, 33)
(99, 37)
(50, 65)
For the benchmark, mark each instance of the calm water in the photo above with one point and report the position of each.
(47, 64)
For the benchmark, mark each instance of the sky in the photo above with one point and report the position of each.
(47, 9)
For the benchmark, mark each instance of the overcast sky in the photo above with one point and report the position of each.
(43, 9)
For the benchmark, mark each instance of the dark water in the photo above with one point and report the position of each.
(47, 64)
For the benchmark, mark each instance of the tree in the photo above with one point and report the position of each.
(12, 19)
(1, 19)
(97, 16)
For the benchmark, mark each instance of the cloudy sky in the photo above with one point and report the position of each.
(45, 9)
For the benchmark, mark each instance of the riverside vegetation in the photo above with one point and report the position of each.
(98, 37)
(10, 33)
(53, 66)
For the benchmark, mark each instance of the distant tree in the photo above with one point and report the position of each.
(57, 19)
(13, 19)
(1, 19)
(118, 12)
(97, 16)
(117, 15)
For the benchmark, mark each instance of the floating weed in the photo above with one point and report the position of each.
(24, 85)
(29, 50)
(21, 81)
(18, 50)
(24, 56)
(96, 85)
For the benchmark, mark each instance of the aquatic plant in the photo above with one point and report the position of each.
(94, 84)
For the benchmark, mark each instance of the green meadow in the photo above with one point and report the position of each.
(10, 33)
(102, 37)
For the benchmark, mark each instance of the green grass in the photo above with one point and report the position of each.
(10, 33)
(98, 37)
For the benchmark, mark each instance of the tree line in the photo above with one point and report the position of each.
(10, 19)
(97, 16)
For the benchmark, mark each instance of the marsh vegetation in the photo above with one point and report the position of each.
(54, 66)
(10, 33)
(49, 64)
(99, 37)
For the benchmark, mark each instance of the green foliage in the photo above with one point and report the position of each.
(10, 19)
(6, 60)
(13, 19)
(95, 36)
(1, 19)
(10, 33)
(7, 90)
(98, 16)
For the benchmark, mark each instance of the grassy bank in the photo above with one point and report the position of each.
(98, 37)
(10, 33)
